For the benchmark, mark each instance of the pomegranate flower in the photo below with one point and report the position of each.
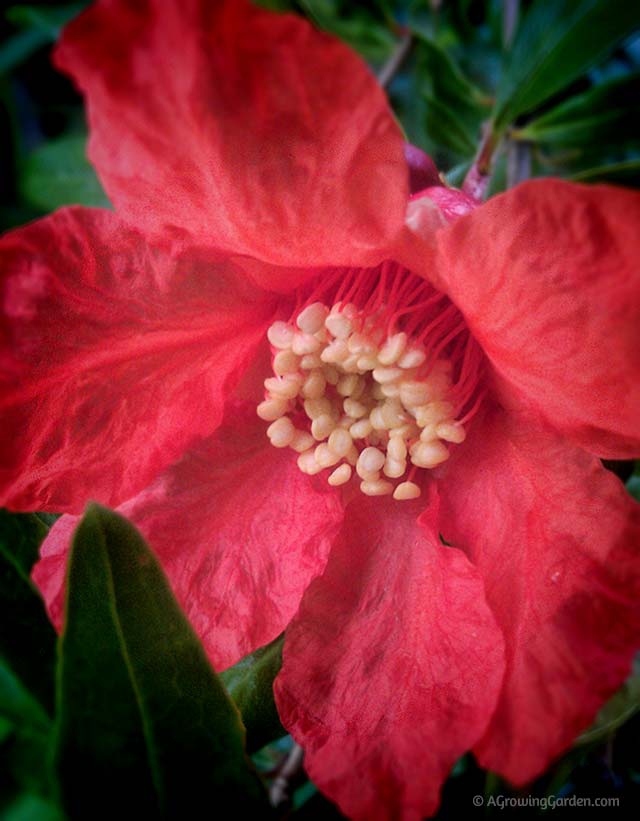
(371, 421)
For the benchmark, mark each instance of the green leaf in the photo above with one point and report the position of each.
(49, 20)
(250, 685)
(27, 639)
(144, 722)
(622, 173)
(618, 710)
(556, 44)
(32, 808)
(24, 746)
(58, 173)
(608, 113)
(17, 49)
(446, 129)
(444, 80)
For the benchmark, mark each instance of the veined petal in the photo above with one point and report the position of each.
(391, 667)
(555, 537)
(114, 356)
(547, 276)
(238, 529)
(223, 122)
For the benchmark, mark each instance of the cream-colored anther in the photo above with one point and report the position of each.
(338, 325)
(385, 375)
(367, 362)
(281, 432)
(429, 432)
(376, 488)
(311, 361)
(361, 344)
(429, 454)
(406, 490)
(340, 475)
(360, 388)
(371, 460)
(312, 318)
(322, 426)
(414, 393)
(307, 463)
(331, 374)
(347, 384)
(302, 441)
(433, 413)
(325, 457)
(376, 418)
(303, 344)
(451, 432)
(317, 407)
(375, 391)
(412, 358)
(391, 390)
(394, 468)
(340, 442)
(393, 414)
(345, 422)
(354, 408)
(350, 364)
(314, 385)
(285, 387)
(408, 431)
(285, 362)
(352, 456)
(272, 409)
(361, 428)
(280, 335)
(335, 352)
(393, 349)
(397, 447)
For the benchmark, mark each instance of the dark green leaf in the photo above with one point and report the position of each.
(17, 49)
(47, 19)
(250, 685)
(446, 129)
(24, 745)
(58, 173)
(556, 44)
(143, 721)
(27, 639)
(604, 114)
(32, 808)
(619, 709)
(622, 173)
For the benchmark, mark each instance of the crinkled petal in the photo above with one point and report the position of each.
(556, 539)
(114, 357)
(548, 278)
(223, 122)
(238, 529)
(392, 666)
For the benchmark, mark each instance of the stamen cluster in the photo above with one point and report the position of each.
(351, 391)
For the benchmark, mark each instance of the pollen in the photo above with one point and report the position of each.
(375, 379)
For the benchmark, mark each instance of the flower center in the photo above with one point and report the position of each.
(376, 372)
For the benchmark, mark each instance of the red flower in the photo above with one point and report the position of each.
(134, 358)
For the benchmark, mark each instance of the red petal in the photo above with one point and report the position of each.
(547, 276)
(115, 357)
(223, 124)
(239, 530)
(392, 666)
(556, 538)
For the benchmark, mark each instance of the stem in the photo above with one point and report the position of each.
(518, 162)
(510, 15)
(397, 58)
(477, 180)
(280, 790)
